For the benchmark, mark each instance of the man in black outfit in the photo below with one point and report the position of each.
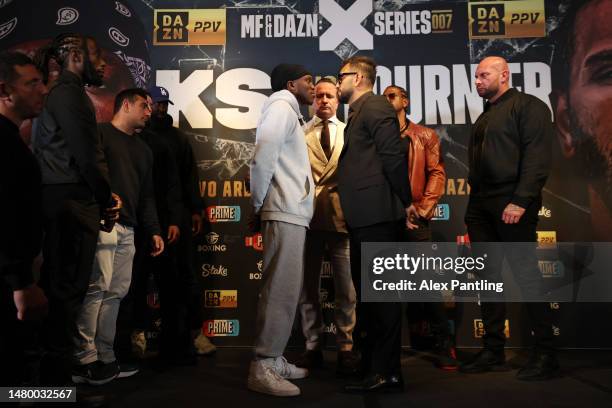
(22, 94)
(509, 161)
(76, 194)
(376, 202)
(189, 305)
(168, 202)
(131, 165)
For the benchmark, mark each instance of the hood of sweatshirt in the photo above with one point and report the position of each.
(286, 96)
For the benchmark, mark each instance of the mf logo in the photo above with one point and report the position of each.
(507, 19)
(345, 24)
(189, 27)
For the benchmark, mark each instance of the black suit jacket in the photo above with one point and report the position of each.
(373, 168)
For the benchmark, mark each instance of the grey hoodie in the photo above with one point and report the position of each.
(281, 180)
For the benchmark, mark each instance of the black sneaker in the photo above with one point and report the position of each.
(540, 367)
(310, 359)
(486, 360)
(445, 356)
(124, 369)
(349, 363)
(96, 373)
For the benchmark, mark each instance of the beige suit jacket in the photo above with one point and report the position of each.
(328, 214)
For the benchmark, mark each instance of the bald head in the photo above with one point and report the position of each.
(492, 78)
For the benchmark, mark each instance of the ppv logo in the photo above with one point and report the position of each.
(507, 19)
(441, 213)
(223, 213)
(221, 328)
(189, 27)
(254, 241)
(221, 299)
(547, 239)
(479, 329)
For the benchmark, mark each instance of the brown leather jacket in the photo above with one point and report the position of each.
(425, 168)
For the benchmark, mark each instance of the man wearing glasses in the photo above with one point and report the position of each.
(376, 202)
(427, 177)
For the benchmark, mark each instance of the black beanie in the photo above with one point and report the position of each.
(283, 73)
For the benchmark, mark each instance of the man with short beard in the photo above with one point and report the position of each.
(130, 166)
(377, 205)
(22, 94)
(282, 194)
(509, 162)
(76, 194)
(583, 103)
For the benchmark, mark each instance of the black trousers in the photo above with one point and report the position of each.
(434, 311)
(484, 224)
(11, 347)
(71, 226)
(178, 294)
(377, 333)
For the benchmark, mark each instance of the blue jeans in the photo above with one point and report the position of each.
(108, 284)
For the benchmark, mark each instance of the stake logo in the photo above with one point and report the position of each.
(189, 27)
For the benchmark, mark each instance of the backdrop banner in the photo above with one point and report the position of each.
(215, 61)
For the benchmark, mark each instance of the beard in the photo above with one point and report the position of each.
(91, 76)
(594, 157)
(344, 97)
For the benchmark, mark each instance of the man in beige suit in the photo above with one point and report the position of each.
(325, 138)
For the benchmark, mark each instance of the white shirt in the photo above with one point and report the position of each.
(316, 124)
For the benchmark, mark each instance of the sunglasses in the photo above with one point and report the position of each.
(392, 95)
(344, 74)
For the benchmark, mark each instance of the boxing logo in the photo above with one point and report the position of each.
(118, 37)
(67, 16)
(121, 9)
(6, 28)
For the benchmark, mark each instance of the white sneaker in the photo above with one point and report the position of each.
(203, 346)
(285, 369)
(265, 380)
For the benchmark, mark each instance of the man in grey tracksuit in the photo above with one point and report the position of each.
(282, 194)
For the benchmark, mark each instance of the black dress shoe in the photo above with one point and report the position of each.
(377, 383)
(445, 356)
(540, 367)
(349, 363)
(486, 360)
(310, 359)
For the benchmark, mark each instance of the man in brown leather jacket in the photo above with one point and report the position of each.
(427, 178)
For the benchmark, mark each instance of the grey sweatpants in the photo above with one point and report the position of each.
(283, 274)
